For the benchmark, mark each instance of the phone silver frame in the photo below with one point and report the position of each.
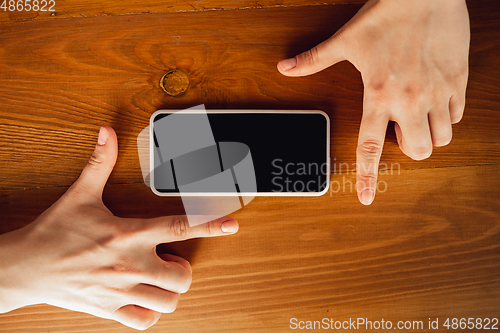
(256, 194)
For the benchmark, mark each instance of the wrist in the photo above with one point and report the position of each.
(12, 295)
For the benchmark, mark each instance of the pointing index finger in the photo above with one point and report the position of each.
(168, 229)
(370, 143)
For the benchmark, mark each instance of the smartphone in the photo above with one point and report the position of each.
(288, 151)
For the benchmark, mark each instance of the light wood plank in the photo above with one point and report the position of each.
(427, 247)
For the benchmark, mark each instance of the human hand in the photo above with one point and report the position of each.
(78, 256)
(413, 59)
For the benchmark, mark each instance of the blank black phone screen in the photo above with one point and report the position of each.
(288, 150)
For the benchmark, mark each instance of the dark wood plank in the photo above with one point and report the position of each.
(60, 80)
(90, 8)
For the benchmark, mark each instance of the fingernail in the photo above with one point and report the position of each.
(288, 64)
(229, 226)
(103, 136)
(367, 196)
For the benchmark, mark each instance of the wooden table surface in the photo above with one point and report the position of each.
(428, 247)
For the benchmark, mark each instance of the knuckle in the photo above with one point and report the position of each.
(157, 276)
(209, 229)
(455, 119)
(143, 324)
(171, 303)
(125, 267)
(179, 226)
(181, 277)
(311, 57)
(186, 279)
(376, 87)
(442, 141)
(410, 91)
(461, 73)
(463, 77)
(367, 176)
(370, 150)
(139, 320)
(415, 97)
(96, 159)
(187, 265)
(457, 108)
(421, 152)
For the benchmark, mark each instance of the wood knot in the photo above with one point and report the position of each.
(174, 82)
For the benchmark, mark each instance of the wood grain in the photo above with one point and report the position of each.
(89, 8)
(60, 81)
(428, 247)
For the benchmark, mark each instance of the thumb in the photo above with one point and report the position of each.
(322, 56)
(96, 173)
